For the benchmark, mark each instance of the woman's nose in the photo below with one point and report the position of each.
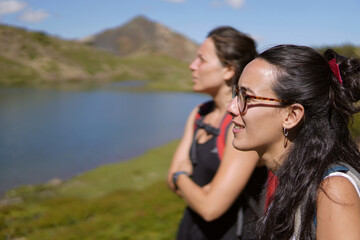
(232, 107)
(193, 65)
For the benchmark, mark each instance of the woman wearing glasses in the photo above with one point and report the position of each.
(292, 106)
(211, 190)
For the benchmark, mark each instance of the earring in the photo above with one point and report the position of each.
(286, 132)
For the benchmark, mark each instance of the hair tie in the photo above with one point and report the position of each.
(335, 69)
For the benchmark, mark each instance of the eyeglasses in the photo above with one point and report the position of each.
(242, 98)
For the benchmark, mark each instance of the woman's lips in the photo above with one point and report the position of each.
(237, 128)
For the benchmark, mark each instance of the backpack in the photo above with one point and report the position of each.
(219, 133)
(338, 167)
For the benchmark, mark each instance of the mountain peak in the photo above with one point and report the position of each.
(141, 18)
(141, 35)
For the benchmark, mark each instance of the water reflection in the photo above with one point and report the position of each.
(53, 133)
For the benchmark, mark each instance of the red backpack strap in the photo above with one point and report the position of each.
(272, 183)
(198, 116)
(221, 139)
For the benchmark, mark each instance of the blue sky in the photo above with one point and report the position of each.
(306, 22)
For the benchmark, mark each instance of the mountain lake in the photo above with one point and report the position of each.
(48, 133)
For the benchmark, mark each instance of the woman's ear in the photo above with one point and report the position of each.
(293, 115)
(229, 72)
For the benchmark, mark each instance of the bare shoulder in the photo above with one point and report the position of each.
(339, 189)
(338, 210)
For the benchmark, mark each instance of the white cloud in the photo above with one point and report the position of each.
(235, 3)
(34, 15)
(11, 6)
(175, 1)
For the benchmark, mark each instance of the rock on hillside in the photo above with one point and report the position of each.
(142, 36)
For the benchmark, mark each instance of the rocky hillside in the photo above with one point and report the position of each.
(36, 58)
(142, 36)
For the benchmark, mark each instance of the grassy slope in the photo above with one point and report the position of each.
(34, 58)
(127, 200)
(161, 72)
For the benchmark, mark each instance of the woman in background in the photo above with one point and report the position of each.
(212, 193)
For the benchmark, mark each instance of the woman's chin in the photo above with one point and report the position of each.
(243, 145)
(197, 89)
(239, 146)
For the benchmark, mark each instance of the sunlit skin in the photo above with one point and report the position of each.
(260, 128)
(207, 71)
(211, 201)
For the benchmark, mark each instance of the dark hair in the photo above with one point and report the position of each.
(323, 138)
(233, 48)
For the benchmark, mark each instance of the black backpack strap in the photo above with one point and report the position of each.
(254, 206)
(193, 157)
(251, 200)
(240, 223)
(209, 130)
(204, 109)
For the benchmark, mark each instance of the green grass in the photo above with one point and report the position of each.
(161, 72)
(354, 127)
(127, 200)
(347, 50)
(152, 213)
(14, 73)
(89, 59)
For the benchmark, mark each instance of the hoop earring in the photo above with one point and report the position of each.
(286, 132)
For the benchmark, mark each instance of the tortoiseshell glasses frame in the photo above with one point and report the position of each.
(242, 98)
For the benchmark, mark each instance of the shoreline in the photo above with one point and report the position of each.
(104, 174)
(114, 201)
(54, 181)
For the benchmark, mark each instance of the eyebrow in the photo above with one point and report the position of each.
(248, 90)
(200, 55)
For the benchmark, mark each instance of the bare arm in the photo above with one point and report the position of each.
(338, 210)
(230, 179)
(181, 155)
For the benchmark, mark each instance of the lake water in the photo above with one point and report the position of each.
(47, 134)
